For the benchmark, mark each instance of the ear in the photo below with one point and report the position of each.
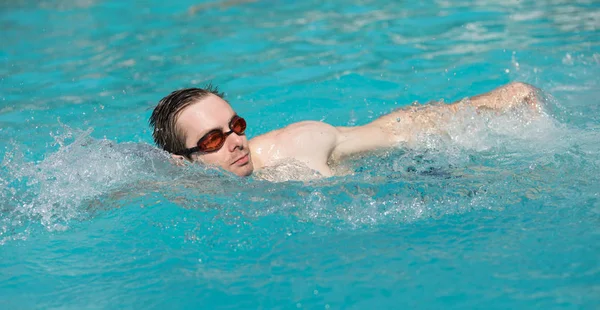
(178, 160)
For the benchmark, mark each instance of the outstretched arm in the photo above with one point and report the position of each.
(404, 125)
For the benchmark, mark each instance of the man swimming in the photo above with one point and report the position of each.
(198, 125)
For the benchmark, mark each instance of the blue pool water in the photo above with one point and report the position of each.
(501, 213)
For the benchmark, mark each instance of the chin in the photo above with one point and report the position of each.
(244, 171)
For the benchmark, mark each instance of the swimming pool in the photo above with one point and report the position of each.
(501, 213)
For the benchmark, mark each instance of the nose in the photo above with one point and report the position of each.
(235, 141)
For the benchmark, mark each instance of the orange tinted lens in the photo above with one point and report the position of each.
(238, 125)
(212, 141)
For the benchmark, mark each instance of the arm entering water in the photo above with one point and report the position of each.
(404, 124)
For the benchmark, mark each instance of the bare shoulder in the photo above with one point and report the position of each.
(310, 142)
(294, 131)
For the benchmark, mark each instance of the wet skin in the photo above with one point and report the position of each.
(319, 145)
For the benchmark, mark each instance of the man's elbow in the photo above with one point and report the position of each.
(523, 92)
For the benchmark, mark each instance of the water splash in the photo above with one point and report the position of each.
(62, 187)
(484, 162)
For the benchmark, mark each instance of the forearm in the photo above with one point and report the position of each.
(504, 98)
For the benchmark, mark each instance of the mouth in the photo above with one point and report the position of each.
(242, 160)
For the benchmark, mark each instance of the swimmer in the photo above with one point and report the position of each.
(198, 125)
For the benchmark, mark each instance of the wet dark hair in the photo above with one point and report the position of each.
(166, 135)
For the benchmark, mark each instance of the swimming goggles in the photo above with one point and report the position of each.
(215, 139)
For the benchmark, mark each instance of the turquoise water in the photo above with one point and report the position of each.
(503, 212)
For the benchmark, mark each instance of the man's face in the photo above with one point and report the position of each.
(210, 113)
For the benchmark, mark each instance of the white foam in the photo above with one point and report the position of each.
(56, 190)
(465, 169)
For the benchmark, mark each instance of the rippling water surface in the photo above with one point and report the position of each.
(503, 212)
